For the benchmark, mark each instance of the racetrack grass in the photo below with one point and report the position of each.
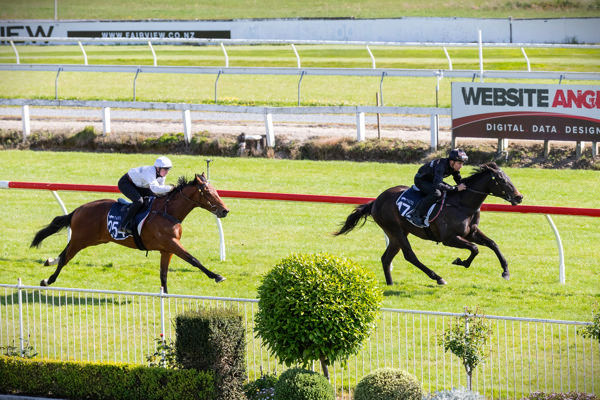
(271, 90)
(260, 233)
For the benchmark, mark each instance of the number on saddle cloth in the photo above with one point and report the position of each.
(407, 202)
(117, 214)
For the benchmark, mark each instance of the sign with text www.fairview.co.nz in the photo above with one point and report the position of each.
(524, 111)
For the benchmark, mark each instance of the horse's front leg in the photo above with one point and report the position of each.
(480, 238)
(177, 249)
(165, 260)
(461, 243)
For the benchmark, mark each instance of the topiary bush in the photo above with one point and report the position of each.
(389, 384)
(454, 394)
(302, 384)
(316, 307)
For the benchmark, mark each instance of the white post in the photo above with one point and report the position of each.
(221, 239)
(105, 120)
(480, 58)
(561, 256)
(434, 126)
(360, 126)
(26, 123)
(269, 129)
(187, 126)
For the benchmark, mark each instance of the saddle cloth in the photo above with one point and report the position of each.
(117, 213)
(407, 202)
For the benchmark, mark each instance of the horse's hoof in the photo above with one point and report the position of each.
(506, 276)
(219, 278)
(441, 281)
(44, 282)
(457, 262)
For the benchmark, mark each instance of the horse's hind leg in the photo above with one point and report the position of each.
(401, 242)
(67, 254)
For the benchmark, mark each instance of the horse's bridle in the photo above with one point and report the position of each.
(492, 194)
(201, 188)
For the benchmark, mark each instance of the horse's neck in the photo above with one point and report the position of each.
(474, 200)
(179, 206)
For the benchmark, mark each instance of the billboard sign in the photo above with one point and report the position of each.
(526, 111)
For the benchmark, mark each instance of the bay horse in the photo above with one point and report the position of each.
(455, 226)
(161, 231)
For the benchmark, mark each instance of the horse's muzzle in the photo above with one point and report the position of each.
(517, 199)
(221, 212)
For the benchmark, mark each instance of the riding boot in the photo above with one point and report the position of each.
(131, 213)
(418, 216)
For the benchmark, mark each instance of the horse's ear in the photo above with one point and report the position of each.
(202, 177)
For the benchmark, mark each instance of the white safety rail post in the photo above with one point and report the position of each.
(360, 126)
(105, 120)
(187, 126)
(26, 122)
(434, 123)
(269, 129)
(480, 57)
(561, 256)
(16, 52)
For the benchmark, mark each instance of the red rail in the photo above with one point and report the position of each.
(526, 209)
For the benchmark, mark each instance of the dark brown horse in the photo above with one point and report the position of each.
(455, 226)
(162, 229)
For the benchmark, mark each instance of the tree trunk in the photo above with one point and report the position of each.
(325, 367)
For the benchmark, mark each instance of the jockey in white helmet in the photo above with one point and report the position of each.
(142, 182)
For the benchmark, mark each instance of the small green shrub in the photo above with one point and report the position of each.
(389, 384)
(302, 384)
(214, 340)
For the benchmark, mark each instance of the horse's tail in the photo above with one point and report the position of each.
(57, 224)
(361, 212)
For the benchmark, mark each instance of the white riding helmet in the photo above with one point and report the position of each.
(163, 162)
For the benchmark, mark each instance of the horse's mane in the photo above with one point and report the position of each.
(483, 168)
(183, 181)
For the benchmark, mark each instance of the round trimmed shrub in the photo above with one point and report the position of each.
(302, 384)
(389, 384)
(316, 307)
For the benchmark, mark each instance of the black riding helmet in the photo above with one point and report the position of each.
(458, 155)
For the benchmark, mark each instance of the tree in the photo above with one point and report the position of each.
(466, 339)
(316, 307)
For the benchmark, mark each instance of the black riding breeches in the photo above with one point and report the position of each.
(432, 194)
(133, 193)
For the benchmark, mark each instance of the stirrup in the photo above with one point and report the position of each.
(417, 221)
(126, 229)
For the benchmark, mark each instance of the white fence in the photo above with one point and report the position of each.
(526, 355)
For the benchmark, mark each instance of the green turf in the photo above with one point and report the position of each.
(260, 233)
(272, 90)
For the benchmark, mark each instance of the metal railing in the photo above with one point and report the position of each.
(525, 355)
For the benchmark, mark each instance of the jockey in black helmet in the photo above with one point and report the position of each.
(430, 181)
(142, 182)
